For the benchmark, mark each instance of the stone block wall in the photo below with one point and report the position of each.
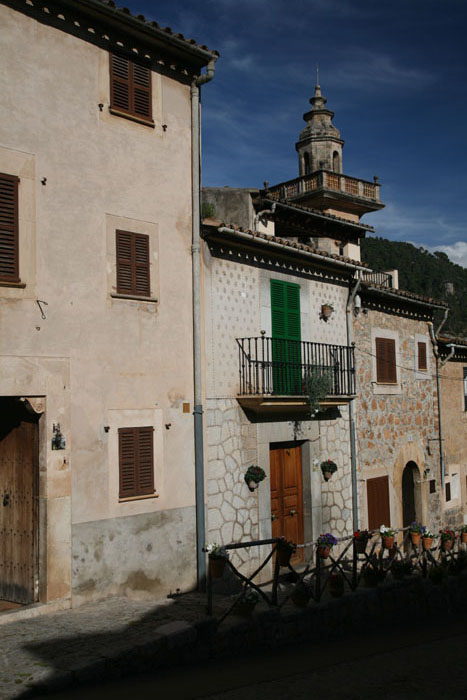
(337, 492)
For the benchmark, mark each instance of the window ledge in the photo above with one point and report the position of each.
(134, 297)
(15, 285)
(132, 117)
(139, 498)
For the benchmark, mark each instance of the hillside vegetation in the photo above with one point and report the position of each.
(423, 273)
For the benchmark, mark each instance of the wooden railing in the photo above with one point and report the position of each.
(325, 179)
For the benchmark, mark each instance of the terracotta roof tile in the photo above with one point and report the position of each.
(332, 217)
(403, 293)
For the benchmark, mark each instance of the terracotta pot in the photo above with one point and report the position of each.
(336, 586)
(388, 542)
(323, 551)
(415, 537)
(327, 475)
(446, 545)
(360, 546)
(427, 542)
(284, 554)
(464, 537)
(326, 311)
(217, 566)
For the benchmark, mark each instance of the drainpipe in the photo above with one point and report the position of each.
(197, 358)
(353, 448)
(439, 364)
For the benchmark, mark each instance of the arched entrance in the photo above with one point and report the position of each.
(411, 502)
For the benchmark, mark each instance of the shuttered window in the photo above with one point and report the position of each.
(386, 372)
(377, 491)
(421, 351)
(9, 258)
(130, 88)
(286, 334)
(465, 388)
(133, 263)
(136, 461)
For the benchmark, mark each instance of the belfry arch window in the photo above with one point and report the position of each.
(306, 163)
(336, 162)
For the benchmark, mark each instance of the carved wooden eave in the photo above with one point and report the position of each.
(116, 30)
(288, 407)
(287, 261)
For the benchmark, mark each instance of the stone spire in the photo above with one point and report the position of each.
(319, 146)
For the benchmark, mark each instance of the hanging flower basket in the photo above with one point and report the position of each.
(361, 538)
(426, 543)
(326, 311)
(284, 551)
(328, 467)
(246, 604)
(325, 543)
(253, 476)
(218, 557)
(387, 536)
(448, 538)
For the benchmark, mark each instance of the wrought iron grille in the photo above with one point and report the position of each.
(281, 367)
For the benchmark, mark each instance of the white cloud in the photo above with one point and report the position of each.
(368, 70)
(457, 252)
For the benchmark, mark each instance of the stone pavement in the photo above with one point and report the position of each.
(119, 637)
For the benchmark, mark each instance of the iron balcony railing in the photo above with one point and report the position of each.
(328, 180)
(282, 367)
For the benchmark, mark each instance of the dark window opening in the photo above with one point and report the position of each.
(9, 247)
(136, 461)
(133, 263)
(386, 372)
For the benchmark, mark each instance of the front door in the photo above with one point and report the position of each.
(286, 494)
(18, 502)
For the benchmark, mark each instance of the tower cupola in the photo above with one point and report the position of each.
(320, 145)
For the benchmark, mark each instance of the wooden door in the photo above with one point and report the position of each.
(286, 495)
(18, 503)
(377, 491)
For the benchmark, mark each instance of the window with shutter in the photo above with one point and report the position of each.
(386, 372)
(136, 462)
(286, 335)
(130, 89)
(465, 388)
(421, 348)
(9, 257)
(132, 251)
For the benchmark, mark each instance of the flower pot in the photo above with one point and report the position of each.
(327, 475)
(464, 537)
(426, 543)
(336, 586)
(323, 551)
(326, 311)
(415, 537)
(446, 545)
(360, 546)
(283, 555)
(253, 485)
(388, 542)
(217, 566)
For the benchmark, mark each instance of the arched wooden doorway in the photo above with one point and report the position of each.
(410, 494)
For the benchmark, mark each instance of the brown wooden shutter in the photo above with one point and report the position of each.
(377, 491)
(136, 461)
(127, 462)
(9, 254)
(130, 88)
(386, 372)
(133, 263)
(120, 88)
(422, 356)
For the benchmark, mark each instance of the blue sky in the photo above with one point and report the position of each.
(394, 72)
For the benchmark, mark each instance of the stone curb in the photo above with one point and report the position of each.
(178, 643)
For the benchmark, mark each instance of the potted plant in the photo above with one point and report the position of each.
(325, 543)
(300, 594)
(284, 550)
(361, 538)
(326, 310)
(373, 573)
(416, 531)
(253, 476)
(328, 467)
(218, 557)
(447, 539)
(427, 539)
(336, 585)
(463, 534)
(246, 603)
(387, 536)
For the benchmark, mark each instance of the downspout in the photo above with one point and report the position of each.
(439, 364)
(197, 357)
(353, 448)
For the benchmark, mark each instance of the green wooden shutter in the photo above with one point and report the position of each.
(286, 335)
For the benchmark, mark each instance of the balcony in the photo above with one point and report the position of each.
(323, 187)
(383, 279)
(273, 374)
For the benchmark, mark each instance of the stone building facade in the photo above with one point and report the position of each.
(453, 390)
(96, 355)
(397, 416)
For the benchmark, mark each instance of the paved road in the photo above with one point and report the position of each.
(423, 664)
